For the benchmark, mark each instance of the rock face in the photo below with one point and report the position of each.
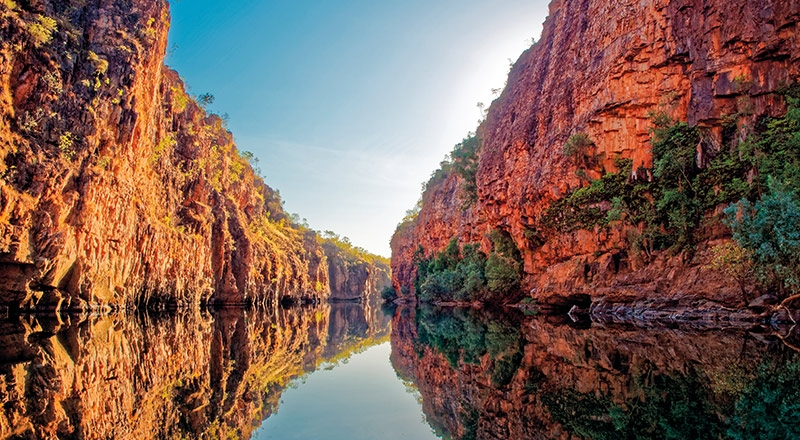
(193, 375)
(352, 278)
(602, 68)
(116, 187)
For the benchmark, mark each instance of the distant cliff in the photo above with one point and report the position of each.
(116, 187)
(354, 274)
(574, 158)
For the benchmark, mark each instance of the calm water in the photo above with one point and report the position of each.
(360, 399)
(336, 372)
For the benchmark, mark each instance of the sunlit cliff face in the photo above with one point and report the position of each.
(196, 375)
(118, 189)
(603, 69)
(486, 376)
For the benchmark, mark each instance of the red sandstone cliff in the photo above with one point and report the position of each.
(353, 278)
(116, 188)
(601, 68)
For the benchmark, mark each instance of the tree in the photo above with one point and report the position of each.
(205, 100)
(770, 229)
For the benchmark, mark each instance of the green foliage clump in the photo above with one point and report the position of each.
(775, 150)
(577, 144)
(674, 173)
(65, 145)
(765, 222)
(179, 99)
(579, 148)
(465, 163)
(452, 275)
(166, 143)
(466, 274)
(734, 261)
(503, 266)
(770, 229)
(669, 207)
(502, 273)
(583, 208)
(100, 64)
(41, 31)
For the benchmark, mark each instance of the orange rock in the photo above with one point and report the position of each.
(602, 68)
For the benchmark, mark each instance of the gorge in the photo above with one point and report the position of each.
(613, 253)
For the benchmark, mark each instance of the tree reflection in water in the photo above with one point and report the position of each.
(501, 375)
(214, 374)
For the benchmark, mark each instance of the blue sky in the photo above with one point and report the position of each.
(350, 105)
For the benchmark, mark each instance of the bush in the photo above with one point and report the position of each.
(41, 31)
(388, 294)
(465, 275)
(734, 261)
(502, 274)
(578, 143)
(769, 230)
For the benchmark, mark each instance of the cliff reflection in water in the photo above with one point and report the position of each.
(487, 376)
(196, 375)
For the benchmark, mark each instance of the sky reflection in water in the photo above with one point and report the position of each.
(360, 399)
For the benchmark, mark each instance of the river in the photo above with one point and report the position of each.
(360, 371)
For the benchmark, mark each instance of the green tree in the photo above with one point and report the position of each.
(770, 230)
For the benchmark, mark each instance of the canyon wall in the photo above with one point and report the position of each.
(118, 189)
(352, 277)
(604, 70)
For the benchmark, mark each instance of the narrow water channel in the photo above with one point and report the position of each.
(357, 398)
(357, 371)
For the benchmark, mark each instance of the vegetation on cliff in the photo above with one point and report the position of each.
(611, 165)
(671, 203)
(668, 207)
(119, 189)
(466, 274)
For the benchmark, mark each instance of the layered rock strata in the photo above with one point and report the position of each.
(603, 69)
(116, 188)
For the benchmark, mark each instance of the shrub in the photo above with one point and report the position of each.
(451, 275)
(769, 229)
(100, 64)
(41, 30)
(465, 163)
(388, 293)
(734, 261)
(577, 145)
(466, 275)
(502, 274)
(65, 144)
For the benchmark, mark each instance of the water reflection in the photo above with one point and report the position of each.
(503, 375)
(193, 375)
